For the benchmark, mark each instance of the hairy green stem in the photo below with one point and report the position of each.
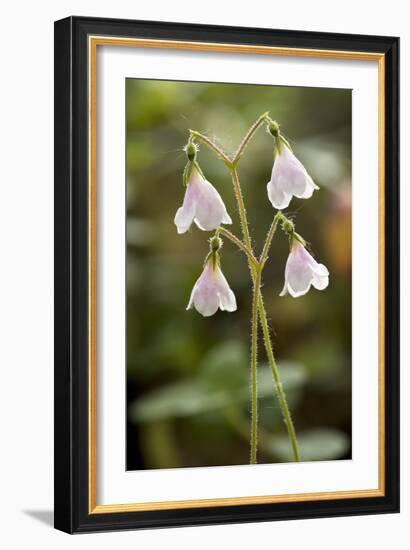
(256, 272)
(269, 237)
(262, 316)
(223, 231)
(239, 423)
(254, 366)
(276, 378)
(211, 145)
(242, 210)
(259, 121)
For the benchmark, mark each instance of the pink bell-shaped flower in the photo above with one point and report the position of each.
(202, 204)
(302, 271)
(211, 291)
(289, 178)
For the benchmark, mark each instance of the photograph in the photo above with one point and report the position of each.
(226, 274)
(203, 276)
(238, 266)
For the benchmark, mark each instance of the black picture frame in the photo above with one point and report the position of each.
(71, 492)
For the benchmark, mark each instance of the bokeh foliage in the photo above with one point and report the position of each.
(188, 376)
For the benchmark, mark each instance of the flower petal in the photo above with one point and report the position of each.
(298, 271)
(184, 218)
(277, 196)
(302, 271)
(320, 275)
(206, 304)
(289, 178)
(186, 213)
(226, 218)
(308, 188)
(204, 296)
(294, 180)
(210, 211)
(211, 291)
(320, 269)
(320, 282)
(299, 281)
(191, 298)
(284, 291)
(227, 301)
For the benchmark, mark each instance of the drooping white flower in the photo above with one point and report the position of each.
(202, 204)
(302, 271)
(289, 178)
(211, 291)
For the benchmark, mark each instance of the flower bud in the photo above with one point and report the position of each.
(215, 243)
(288, 226)
(191, 149)
(273, 128)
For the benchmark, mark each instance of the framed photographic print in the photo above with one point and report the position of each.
(226, 274)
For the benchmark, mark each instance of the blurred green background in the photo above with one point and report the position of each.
(188, 376)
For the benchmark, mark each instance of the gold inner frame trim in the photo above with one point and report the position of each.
(93, 42)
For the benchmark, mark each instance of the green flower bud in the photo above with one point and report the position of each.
(273, 128)
(288, 226)
(191, 150)
(215, 243)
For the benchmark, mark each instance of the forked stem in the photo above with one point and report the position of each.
(258, 122)
(262, 313)
(258, 307)
(211, 145)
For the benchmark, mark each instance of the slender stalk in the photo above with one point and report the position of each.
(212, 146)
(240, 424)
(239, 244)
(242, 210)
(248, 137)
(254, 366)
(269, 237)
(276, 378)
(263, 319)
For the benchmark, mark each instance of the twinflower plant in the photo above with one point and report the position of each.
(203, 205)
